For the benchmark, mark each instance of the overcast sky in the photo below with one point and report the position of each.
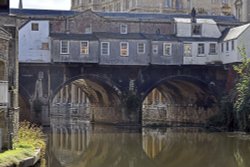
(42, 4)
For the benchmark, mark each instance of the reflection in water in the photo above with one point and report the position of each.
(77, 144)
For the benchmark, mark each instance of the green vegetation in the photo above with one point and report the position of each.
(235, 105)
(30, 137)
(242, 92)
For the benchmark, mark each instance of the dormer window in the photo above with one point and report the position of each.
(88, 29)
(123, 28)
(196, 29)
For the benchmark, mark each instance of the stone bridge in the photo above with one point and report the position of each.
(120, 94)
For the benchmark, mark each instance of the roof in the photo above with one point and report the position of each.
(65, 36)
(130, 16)
(130, 36)
(235, 32)
(40, 12)
(163, 16)
(107, 35)
(96, 36)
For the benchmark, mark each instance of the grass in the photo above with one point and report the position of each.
(15, 156)
(29, 138)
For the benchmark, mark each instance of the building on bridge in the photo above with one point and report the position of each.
(112, 60)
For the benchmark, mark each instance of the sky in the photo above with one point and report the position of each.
(42, 4)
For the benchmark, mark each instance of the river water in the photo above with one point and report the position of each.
(81, 144)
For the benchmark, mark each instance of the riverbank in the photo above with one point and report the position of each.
(29, 146)
(21, 157)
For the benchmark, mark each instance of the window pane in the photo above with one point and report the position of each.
(166, 49)
(201, 48)
(196, 29)
(123, 29)
(64, 47)
(34, 26)
(124, 49)
(187, 50)
(227, 46)
(141, 48)
(85, 47)
(232, 45)
(212, 48)
(105, 48)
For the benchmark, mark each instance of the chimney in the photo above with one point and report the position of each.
(20, 4)
(193, 15)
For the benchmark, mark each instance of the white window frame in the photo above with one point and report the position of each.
(155, 49)
(143, 49)
(198, 49)
(108, 48)
(215, 49)
(81, 48)
(61, 47)
(127, 49)
(222, 47)
(184, 49)
(168, 45)
(124, 29)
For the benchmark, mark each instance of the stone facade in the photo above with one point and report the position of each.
(4, 85)
(11, 116)
(214, 7)
(242, 10)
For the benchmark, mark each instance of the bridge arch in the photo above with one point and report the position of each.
(97, 96)
(178, 99)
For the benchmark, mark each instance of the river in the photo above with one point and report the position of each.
(79, 144)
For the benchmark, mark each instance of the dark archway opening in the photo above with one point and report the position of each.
(87, 99)
(179, 100)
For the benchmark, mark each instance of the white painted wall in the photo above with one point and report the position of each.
(205, 58)
(230, 56)
(209, 28)
(30, 42)
(183, 29)
(244, 41)
(233, 56)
